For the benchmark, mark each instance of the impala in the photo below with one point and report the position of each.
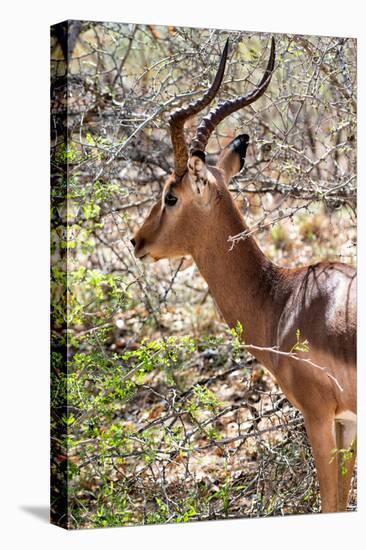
(196, 216)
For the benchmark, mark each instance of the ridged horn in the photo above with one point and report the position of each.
(226, 108)
(179, 117)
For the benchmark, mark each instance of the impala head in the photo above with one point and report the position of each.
(194, 190)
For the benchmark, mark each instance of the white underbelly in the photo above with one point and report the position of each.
(349, 421)
(347, 416)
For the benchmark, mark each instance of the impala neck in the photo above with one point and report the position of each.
(243, 282)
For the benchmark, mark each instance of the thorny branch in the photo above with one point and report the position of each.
(169, 450)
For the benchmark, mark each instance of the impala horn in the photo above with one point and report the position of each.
(226, 108)
(180, 116)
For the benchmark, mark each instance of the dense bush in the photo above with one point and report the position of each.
(159, 414)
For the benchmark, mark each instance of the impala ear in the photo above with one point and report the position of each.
(200, 176)
(232, 158)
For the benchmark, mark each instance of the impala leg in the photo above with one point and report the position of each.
(345, 439)
(322, 439)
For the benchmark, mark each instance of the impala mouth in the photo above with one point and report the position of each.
(146, 258)
(140, 252)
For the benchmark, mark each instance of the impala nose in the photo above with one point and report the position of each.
(133, 242)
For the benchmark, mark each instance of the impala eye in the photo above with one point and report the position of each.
(170, 199)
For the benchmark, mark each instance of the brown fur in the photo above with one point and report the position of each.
(270, 302)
